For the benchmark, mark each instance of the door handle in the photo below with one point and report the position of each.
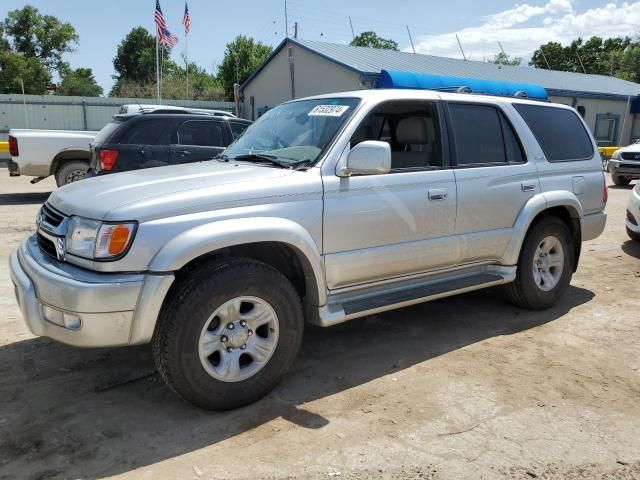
(183, 153)
(528, 187)
(438, 194)
(145, 152)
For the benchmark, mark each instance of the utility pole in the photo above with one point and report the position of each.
(286, 21)
(544, 58)
(295, 30)
(353, 34)
(411, 40)
(460, 45)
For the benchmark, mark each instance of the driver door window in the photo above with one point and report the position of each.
(412, 131)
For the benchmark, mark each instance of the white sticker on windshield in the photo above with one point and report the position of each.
(328, 110)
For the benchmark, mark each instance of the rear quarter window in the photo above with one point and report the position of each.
(559, 132)
(104, 134)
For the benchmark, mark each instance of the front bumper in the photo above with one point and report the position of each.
(633, 211)
(105, 309)
(624, 168)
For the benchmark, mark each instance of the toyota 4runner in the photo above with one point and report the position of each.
(327, 209)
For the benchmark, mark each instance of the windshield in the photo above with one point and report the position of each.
(296, 131)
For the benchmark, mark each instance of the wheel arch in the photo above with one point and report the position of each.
(283, 244)
(65, 155)
(560, 204)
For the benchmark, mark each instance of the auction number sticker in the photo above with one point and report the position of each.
(328, 110)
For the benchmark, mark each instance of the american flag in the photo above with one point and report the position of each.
(186, 20)
(164, 36)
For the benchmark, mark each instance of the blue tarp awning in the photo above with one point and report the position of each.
(425, 81)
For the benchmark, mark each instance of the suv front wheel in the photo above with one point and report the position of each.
(545, 267)
(228, 333)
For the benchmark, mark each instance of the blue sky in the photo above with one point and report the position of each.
(520, 27)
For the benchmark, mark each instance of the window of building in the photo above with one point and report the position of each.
(606, 128)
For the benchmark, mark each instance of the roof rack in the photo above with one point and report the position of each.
(443, 83)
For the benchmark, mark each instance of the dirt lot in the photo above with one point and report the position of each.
(466, 387)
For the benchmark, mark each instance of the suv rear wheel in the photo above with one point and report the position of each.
(228, 333)
(622, 181)
(70, 172)
(545, 267)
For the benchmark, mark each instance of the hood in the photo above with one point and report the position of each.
(162, 191)
(634, 147)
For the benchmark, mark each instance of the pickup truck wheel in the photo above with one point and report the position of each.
(228, 333)
(545, 267)
(70, 172)
(622, 181)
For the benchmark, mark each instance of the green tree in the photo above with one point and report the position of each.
(80, 82)
(372, 40)
(241, 58)
(135, 59)
(14, 67)
(43, 37)
(503, 58)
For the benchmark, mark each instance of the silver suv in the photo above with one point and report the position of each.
(327, 209)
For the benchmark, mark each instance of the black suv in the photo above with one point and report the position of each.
(132, 142)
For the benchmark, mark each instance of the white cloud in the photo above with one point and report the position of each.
(524, 27)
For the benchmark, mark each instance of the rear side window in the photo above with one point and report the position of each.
(147, 132)
(483, 136)
(201, 133)
(237, 128)
(559, 132)
(107, 130)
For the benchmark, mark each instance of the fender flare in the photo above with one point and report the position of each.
(534, 206)
(210, 237)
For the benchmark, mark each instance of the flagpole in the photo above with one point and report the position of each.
(157, 70)
(186, 41)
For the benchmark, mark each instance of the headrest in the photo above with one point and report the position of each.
(412, 131)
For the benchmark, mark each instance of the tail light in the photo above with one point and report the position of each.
(605, 189)
(13, 146)
(108, 159)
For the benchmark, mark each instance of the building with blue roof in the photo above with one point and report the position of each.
(298, 68)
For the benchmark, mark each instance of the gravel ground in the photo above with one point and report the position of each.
(466, 387)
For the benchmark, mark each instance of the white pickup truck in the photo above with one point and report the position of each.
(40, 153)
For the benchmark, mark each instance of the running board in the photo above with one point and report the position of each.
(359, 303)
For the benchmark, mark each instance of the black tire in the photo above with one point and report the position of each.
(524, 291)
(633, 235)
(70, 172)
(622, 181)
(193, 301)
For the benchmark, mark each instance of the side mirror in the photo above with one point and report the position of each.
(370, 157)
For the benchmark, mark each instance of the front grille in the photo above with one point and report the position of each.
(47, 246)
(631, 218)
(630, 165)
(51, 217)
(630, 155)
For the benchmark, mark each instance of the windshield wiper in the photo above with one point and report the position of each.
(263, 158)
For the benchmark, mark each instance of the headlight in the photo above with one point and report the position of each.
(91, 239)
(616, 155)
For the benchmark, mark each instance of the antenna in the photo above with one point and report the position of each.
(503, 52)
(353, 34)
(580, 60)
(460, 45)
(544, 58)
(411, 39)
